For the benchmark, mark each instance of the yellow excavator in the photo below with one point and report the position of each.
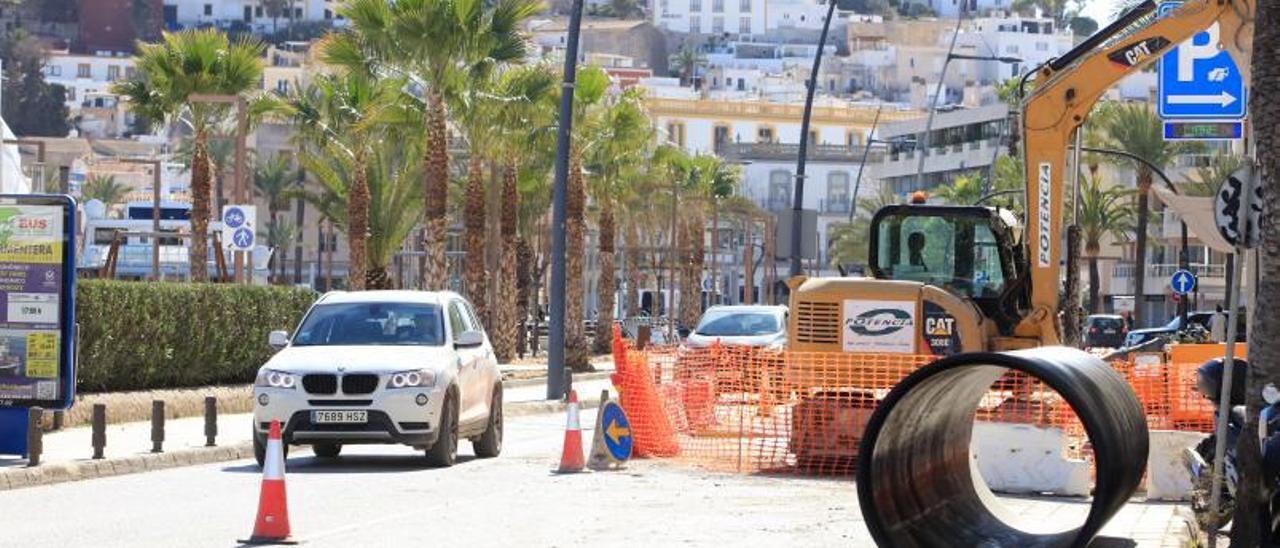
(947, 280)
(950, 279)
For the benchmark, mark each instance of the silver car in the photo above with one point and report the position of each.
(741, 325)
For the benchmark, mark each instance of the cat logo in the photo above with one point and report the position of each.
(939, 327)
(1138, 52)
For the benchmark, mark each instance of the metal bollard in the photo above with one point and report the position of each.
(157, 426)
(58, 417)
(99, 429)
(35, 435)
(210, 420)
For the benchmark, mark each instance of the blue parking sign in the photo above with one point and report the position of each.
(1199, 80)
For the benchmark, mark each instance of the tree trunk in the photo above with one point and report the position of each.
(1264, 359)
(357, 224)
(576, 351)
(1140, 252)
(631, 301)
(607, 288)
(435, 272)
(1095, 299)
(377, 278)
(524, 293)
(505, 319)
(473, 242)
(691, 301)
(1070, 306)
(199, 251)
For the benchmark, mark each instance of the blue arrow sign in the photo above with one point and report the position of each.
(1198, 79)
(1183, 282)
(617, 431)
(234, 217)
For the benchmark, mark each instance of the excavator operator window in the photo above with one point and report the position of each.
(954, 250)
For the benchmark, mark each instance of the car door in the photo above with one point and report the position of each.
(483, 366)
(460, 321)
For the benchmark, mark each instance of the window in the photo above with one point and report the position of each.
(744, 6)
(329, 241)
(297, 13)
(129, 72)
(248, 14)
(472, 319)
(779, 189)
(1042, 46)
(282, 87)
(764, 135)
(71, 93)
(695, 5)
(717, 25)
(852, 139)
(675, 133)
(104, 236)
(83, 71)
(958, 253)
(328, 14)
(54, 70)
(113, 73)
(372, 324)
(742, 82)
(717, 6)
(838, 192)
(457, 323)
(720, 137)
(1011, 49)
(744, 25)
(695, 23)
(813, 137)
(208, 9)
(257, 11)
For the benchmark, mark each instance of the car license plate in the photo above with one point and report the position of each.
(1109, 331)
(346, 416)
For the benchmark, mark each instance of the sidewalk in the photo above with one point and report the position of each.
(67, 453)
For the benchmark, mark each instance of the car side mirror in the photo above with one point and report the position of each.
(469, 339)
(278, 339)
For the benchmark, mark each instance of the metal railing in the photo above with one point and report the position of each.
(1126, 270)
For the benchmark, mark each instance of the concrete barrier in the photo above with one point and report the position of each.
(1025, 459)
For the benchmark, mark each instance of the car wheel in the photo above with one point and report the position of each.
(445, 451)
(260, 448)
(327, 450)
(490, 443)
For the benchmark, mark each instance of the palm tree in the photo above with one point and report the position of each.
(347, 116)
(1205, 180)
(276, 182)
(850, 241)
(279, 235)
(686, 62)
(1104, 210)
(964, 190)
(104, 188)
(1134, 128)
(437, 42)
(183, 64)
(623, 129)
(395, 199)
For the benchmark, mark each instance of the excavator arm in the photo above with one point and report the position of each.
(1066, 89)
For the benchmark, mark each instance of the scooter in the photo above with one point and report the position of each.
(1199, 460)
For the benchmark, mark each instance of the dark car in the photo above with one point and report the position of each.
(1104, 331)
(1202, 319)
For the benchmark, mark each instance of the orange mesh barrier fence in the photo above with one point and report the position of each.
(1166, 386)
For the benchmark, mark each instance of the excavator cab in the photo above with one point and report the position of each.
(973, 252)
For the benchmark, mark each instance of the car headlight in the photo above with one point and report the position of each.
(416, 378)
(268, 378)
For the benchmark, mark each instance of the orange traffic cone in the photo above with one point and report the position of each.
(272, 525)
(571, 458)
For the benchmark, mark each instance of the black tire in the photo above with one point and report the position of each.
(444, 452)
(328, 450)
(260, 448)
(490, 443)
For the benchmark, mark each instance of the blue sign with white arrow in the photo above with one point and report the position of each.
(1199, 80)
(1183, 282)
(617, 431)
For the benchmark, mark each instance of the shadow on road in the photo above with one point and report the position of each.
(353, 464)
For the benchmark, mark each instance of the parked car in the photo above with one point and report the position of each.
(407, 367)
(1202, 319)
(741, 325)
(1104, 331)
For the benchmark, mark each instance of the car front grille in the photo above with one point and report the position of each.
(340, 403)
(359, 383)
(320, 383)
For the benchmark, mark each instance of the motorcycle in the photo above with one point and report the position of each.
(1199, 460)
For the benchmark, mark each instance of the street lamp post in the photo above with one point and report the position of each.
(797, 205)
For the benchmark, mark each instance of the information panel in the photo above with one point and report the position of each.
(36, 301)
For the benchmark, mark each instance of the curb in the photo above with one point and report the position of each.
(61, 472)
(577, 377)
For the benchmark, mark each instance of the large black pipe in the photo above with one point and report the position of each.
(917, 486)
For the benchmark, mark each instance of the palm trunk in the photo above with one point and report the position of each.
(1095, 289)
(1251, 499)
(576, 350)
(691, 292)
(377, 278)
(435, 271)
(1140, 252)
(199, 251)
(357, 224)
(632, 298)
(473, 242)
(608, 285)
(505, 320)
(524, 293)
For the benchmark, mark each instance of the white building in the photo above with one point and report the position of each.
(736, 17)
(222, 13)
(951, 8)
(1034, 40)
(83, 75)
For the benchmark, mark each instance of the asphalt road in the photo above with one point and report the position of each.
(385, 496)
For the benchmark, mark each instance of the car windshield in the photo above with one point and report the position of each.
(737, 324)
(372, 324)
(1107, 323)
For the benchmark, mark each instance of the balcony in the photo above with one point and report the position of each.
(957, 156)
(1210, 277)
(789, 151)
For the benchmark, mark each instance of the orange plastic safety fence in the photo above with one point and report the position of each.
(1168, 393)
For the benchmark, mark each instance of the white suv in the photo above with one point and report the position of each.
(408, 367)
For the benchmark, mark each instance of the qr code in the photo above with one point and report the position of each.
(46, 390)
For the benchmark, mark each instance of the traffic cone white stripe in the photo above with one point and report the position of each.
(573, 423)
(273, 469)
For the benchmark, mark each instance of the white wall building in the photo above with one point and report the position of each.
(737, 17)
(84, 75)
(190, 13)
(951, 8)
(1035, 40)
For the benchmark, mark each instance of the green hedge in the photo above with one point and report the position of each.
(138, 335)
